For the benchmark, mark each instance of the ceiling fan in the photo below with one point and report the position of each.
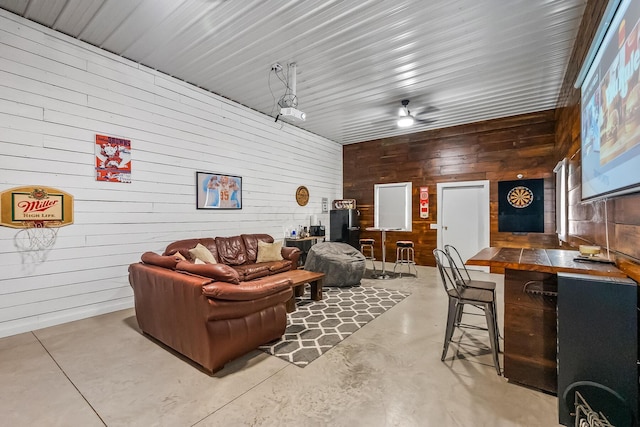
(407, 119)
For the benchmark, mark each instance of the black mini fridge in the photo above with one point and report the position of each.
(344, 226)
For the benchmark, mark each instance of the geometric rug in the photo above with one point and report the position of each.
(317, 326)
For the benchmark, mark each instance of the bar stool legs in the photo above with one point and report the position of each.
(405, 255)
(366, 247)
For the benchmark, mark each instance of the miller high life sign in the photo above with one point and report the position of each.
(22, 204)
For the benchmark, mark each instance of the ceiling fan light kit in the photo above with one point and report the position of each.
(406, 121)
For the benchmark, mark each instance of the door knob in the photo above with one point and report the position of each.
(445, 227)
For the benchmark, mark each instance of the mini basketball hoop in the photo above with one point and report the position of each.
(38, 235)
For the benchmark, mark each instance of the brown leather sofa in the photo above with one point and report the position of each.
(213, 313)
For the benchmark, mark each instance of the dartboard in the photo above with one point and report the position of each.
(520, 197)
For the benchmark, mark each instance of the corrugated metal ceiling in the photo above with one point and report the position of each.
(457, 61)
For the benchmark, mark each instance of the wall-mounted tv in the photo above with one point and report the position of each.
(611, 105)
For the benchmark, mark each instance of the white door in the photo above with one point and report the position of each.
(463, 217)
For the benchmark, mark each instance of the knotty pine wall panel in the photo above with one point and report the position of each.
(494, 150)
(587, 220)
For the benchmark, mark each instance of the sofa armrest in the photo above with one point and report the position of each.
(246, 291)
(292, 254)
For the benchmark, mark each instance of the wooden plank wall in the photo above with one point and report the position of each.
(587, 220)
(56, 93)
(495, 150)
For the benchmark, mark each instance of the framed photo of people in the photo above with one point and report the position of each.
(217, 191)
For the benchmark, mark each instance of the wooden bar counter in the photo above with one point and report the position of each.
(530, 299)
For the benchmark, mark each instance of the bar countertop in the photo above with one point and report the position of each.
(543, 260)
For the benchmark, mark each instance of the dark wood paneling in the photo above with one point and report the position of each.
(587, 220)
(530, 338)
(498, 150)
(495, 150)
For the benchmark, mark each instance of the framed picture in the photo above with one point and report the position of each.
(216, 191)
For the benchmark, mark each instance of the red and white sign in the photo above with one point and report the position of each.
(424, 202)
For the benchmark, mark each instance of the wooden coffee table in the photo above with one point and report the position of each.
(299, 279)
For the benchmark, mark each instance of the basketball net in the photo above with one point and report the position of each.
(37, 235)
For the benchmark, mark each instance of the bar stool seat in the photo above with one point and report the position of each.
(367, 247)
(405, 256)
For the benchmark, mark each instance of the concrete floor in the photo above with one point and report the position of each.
(103, 371)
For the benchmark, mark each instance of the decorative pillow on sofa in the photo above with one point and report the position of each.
(269, 251)
(178, 256)
(159, 260)
(220, 272)
(201, 252)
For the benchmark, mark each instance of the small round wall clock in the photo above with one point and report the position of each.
(520, 197)
(302, 195)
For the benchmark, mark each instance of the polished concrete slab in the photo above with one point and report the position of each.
(103, 371)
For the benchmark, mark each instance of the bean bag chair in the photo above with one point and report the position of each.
(342, 264)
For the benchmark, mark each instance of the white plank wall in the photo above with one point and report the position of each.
(56, 94)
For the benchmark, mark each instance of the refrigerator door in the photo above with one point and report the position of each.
(338, 220)
(345, 226)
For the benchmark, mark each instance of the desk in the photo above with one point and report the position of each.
(530, 301)
(304, 244)
(383, 274)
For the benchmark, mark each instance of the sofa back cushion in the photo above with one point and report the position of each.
(183, 247)
(251, 244)
(231, 250)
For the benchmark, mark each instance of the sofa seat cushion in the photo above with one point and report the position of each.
(252, 271)
(246, 291)
(219, 272)
(279, 266)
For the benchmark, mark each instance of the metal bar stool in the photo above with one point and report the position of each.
(367, 245)
(405, 255)
(459, 296)
(462, 277)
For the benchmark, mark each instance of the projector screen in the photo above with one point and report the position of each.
(611, 109)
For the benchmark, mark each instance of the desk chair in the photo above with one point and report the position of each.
(459, 296)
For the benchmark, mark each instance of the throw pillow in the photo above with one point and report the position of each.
(199, 261)
(178, 256)
(203, 253)
(268, 252)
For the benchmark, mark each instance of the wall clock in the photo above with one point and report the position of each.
(302, 195)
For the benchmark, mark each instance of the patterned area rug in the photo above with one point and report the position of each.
(316, 326)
